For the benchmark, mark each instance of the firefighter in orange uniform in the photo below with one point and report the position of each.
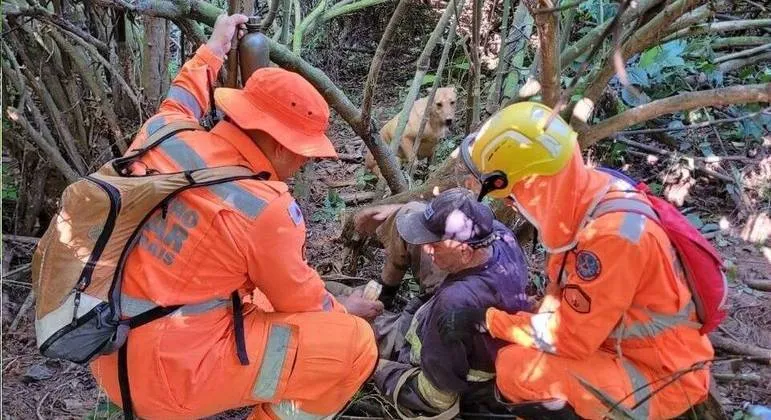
(305, 359)
(617, 313)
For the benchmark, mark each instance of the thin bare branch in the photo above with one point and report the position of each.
(719, 27)
(108, 67)
(473, 110)
(67, 140)
(377, 61)
(566, 6)
(586, 42)
(642, 39)
(423, 64)
(739, 41)
(13, 9)
(698, 125)
(387, 161)
(437, 80)
(742, 54)
(51, 151)
(696, 163)
(749, 61)
(548, 37)
(89, 79)
(684, 101)
(270, 17)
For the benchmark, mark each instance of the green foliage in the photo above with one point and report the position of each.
(172, 68)
(660, 71)
(658, 58)
(10, 189)
(598, 11)
(656, 188)
(364, 177)
(331, 208)
(617, 153)
(105, 410)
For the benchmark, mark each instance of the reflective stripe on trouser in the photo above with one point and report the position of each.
(525, 374)
(186, 367)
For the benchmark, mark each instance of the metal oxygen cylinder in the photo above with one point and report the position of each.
(253, 50)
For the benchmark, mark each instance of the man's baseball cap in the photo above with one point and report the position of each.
(453, 214)
(284, 105)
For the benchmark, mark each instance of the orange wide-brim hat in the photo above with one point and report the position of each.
(284, 105)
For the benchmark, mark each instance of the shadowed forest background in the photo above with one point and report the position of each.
(675, 92)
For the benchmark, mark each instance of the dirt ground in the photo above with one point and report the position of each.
(37, 388)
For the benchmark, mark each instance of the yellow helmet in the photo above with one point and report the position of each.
(516, 143)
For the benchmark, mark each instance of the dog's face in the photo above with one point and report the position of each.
(443, 108)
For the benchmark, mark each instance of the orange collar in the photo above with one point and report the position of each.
(245, 146)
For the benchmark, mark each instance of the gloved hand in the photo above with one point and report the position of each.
(460, 324)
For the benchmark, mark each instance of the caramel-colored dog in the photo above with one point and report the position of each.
(440, 119)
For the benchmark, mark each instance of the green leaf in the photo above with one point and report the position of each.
(462, 65)
(428, 79)
(638, 76)
(510, 84)
(656, 188)
(658, 58)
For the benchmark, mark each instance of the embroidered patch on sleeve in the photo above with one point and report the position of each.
(577, 299)
(588, 266)
(295, 213)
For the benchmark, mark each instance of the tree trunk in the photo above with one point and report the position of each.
(154, 56)
(124, 60)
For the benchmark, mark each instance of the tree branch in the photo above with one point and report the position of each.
(108, 67)
(681, 102)
(642, 39)
(474, 92)
(68, 141)
(377, 61)
(437, 80)
(422, 65)
(739, 41)
(344, 8)
(50, 150)
(697, 125)
(270, 17)
(87, 75)
(548, 40)
(719, 27)
(13, 10)
(493, 98)
(280, 55)
(742, 54)
(300, 30)
(735, 347)
(571, 53)
(737, 64)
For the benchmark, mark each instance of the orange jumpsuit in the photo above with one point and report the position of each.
(620, 317)
(307, 358)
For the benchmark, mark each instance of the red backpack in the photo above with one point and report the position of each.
(701, 262)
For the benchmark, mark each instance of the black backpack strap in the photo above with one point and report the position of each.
(238, 326)
(123, 378)
(155, 139)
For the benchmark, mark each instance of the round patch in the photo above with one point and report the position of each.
(588, 266)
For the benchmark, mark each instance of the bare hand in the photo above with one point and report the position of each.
(367, 221)
(222, 35)
(355, 304)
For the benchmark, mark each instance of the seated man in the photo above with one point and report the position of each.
(618, 313)
(400, 256)
(485, 267)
